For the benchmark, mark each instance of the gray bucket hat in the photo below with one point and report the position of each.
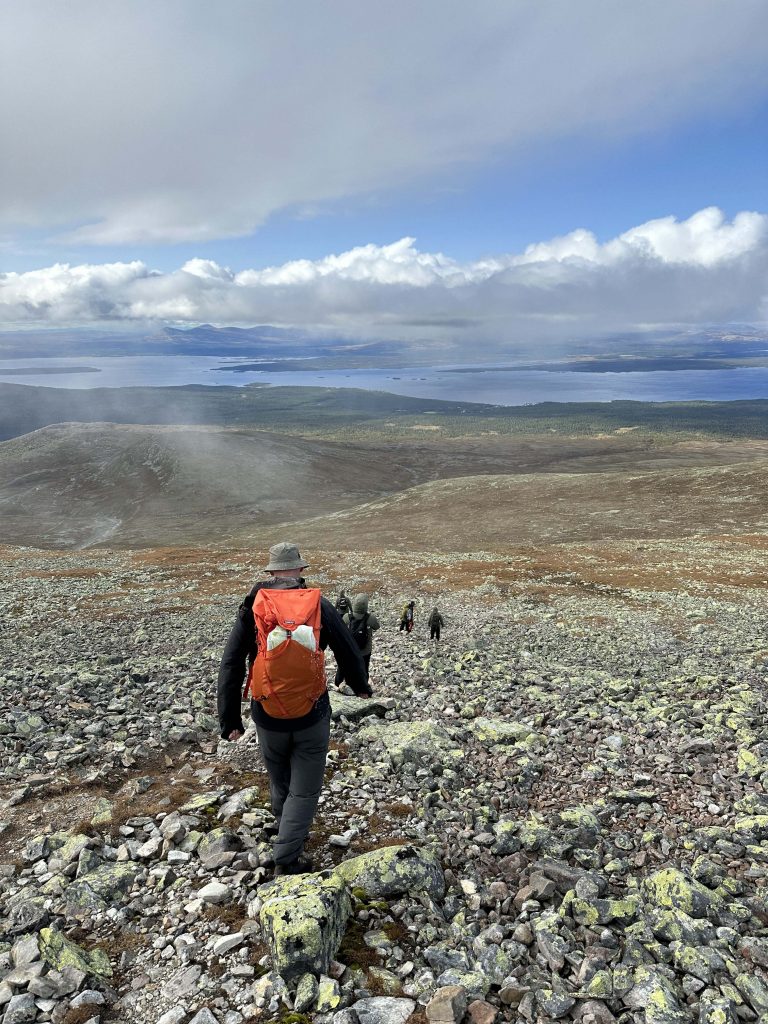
(284, 556)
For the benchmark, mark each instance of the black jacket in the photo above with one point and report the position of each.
(241, 648)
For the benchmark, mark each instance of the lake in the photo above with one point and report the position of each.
(492, 385)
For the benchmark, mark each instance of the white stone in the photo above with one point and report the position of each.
(215, 892)
(225, 943)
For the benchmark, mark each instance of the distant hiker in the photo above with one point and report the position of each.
(343, 604)
(362, 625)
(435, 623)
(282, 629)
(406, 616)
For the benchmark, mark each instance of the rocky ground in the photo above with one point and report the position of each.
(559, 812)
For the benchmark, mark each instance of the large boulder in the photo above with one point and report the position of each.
(394, 871)
(408, 742)
(355, 708)
(304, 918)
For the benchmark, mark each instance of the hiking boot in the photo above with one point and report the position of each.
(272, 829)
(300, 866)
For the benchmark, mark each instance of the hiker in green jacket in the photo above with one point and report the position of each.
(361, 624)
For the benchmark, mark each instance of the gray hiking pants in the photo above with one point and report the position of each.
(296, 765)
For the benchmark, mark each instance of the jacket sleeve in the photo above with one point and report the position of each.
(241, 644)
(348, 657)
(373, 622)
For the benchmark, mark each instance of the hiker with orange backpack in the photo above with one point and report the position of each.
(282, 629)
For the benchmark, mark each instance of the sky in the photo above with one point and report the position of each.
(503, 170)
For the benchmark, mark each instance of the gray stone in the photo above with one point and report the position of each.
(384, 1010)
(218, 848)
(448, 1004)
(204, 1016)
(20, 1009)
(182, 983)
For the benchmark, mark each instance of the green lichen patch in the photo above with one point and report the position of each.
(498, 730)
(670, 889)
(59, 952)
(394, 871)
(303, 918)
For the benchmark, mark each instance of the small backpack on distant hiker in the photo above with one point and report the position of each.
(359, 630)
(288, 673)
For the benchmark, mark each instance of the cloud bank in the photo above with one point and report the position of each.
(701, 270)
(145, 122)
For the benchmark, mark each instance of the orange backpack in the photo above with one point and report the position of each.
(287, 677)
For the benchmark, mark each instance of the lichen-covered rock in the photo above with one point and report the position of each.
(717, 1011)
(304, 918)
(670, 889)
(498, 730)
(328, 995)
(353, 708)
(202, 802)
(677, 926)
(655, 994)
(419, 741)
(59, 953)
(554, 1004)
(100, 888)
(41, 846)
(240, 802)
(754, 826)
(507, 839)
(306, 992)
(102, 812)
(603, 911)
(394, 871)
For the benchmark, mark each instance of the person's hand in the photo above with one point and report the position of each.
(235, 735)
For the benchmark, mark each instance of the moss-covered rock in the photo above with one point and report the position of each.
(303, 918)
(59, 952)
(394, 871)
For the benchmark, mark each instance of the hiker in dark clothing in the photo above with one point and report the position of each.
(435, 623)
(361, 624)
(406, 617)
(293, 749)
(343, 604)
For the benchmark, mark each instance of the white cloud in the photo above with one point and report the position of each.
(148, 122)
(704, 269)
